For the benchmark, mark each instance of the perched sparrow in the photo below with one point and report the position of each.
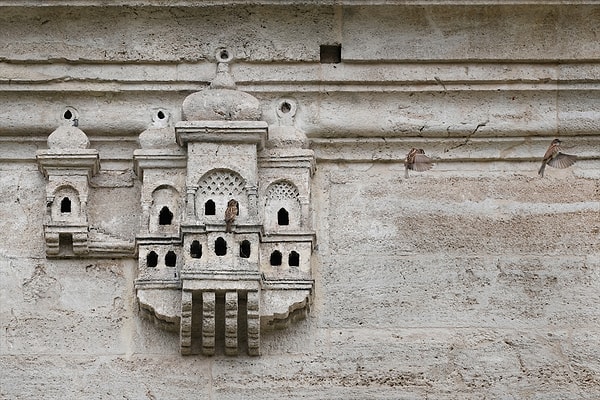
(555, 158)
(230, 213)
(417, 161)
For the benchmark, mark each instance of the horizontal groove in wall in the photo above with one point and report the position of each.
(302, 77)
(470, 149)
(211, 3)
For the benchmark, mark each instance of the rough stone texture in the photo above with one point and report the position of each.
(68, 137)
(475, 280)
(220, 104)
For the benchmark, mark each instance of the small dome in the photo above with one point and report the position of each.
(221, 105)
(160, 135)
(221, 101)
(68, 137)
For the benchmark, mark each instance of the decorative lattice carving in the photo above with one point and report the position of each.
(282, 191)
(224, 183)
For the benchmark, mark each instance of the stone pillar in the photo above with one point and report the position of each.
(252, 204)
(253, 323)
(186, 323)
(305, 210)
(208, 323)
(231, 323)
(145, 228)
(191, 203)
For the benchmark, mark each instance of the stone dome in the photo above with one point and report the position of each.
(68, 137)
(221, 101)
(221, 105)
(160, 135)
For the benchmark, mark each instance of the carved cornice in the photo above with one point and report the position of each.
(155, 158)
(247, 132)
(466, 148)
(84, 162)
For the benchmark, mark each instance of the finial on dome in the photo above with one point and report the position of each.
(68, 135)
(160, 134)
(223, 79)
(221, 101)
(161, 118)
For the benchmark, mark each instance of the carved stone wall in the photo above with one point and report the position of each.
(122, 124)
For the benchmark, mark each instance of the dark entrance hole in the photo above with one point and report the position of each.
(245, 249)
(283, 217)
(165, 217)
(209, 208)
(65, 205)
(171, 259)
(220, 246)
(196, 249)
(276, 258)
(151, 260)
(294, 259)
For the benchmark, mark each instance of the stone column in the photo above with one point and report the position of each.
(185, 335)
(305, 210)
(252, 204)
(83, 210)
(253, 323)
(208, 323)
(145, 228)
(191, 203)
(231, 323)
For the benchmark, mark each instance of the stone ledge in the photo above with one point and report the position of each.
(400, 76)
(468, 149)
(247, 132)
(377, 149)
(497, 111)
(213, 3)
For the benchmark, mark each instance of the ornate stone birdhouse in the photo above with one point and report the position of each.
(237, 251)
(68, 166)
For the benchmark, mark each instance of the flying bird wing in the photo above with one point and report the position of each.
(421, 163)
(562, 160)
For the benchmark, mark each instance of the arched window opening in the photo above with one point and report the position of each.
(171, 259)
(151, 260)
(294, 259)
(220, 246)
(209, 207)
(276, 258)
(165, 217)
(196, 249)
(245, 249)
(65, 205)
(283, 217)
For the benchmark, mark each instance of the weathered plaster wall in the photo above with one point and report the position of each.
(474, 280)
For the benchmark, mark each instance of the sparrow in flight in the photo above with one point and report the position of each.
(417, 161)
(555, 158)
(230, 213)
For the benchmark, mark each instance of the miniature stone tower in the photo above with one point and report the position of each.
(68, 165)
(222, 282)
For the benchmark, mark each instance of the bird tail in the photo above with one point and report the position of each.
(541, 171)
(405, 171)
(228, 226)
